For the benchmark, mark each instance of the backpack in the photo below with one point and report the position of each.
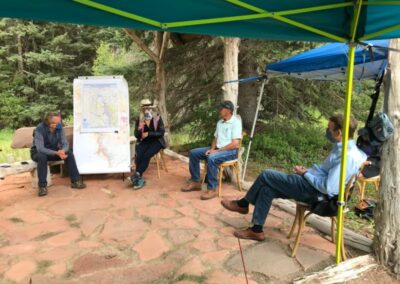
(380, 128)
(365, 209)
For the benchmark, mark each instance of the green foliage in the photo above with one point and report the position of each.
(284, 143)
(7, 154)
(43, 265)
(38, 62)
(205, 118)
(11, 110)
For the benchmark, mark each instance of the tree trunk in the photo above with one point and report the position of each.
(387, 221)
(162, 89)
(157, 54)
(231, 70)
(248, 94)
(231, 90)
(20, 55)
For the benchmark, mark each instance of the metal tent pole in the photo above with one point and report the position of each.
(345, 139)
(264, 81)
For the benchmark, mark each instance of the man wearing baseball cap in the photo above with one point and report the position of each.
(224, 147)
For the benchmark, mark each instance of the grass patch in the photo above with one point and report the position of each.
(193, 278)
(43, 265)
(7, 154)
(16, 220)
(69, 273)
(46, 236)
(73, 221)
(146, 219)
(164, 195)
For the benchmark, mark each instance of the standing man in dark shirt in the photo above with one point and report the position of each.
(149, 132)
(50, 144)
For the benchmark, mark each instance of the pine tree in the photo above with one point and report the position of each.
(38, 62)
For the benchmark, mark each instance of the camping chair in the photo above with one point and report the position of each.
(235, 164)
(363, 181)
(301, 216)
(160, 162)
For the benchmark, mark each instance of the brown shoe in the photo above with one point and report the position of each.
(192, 186)
(232, 205)
(248, 234)
(209, 194)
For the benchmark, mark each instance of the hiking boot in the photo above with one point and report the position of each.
(209, 194)
(139, 183)
(232, 205)
(78, 185)
(192, 186)
(42, 191)
(249, 234)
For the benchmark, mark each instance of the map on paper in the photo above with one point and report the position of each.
(101, 125)
(100, 113)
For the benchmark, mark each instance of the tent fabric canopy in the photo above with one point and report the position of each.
(306, 20)
(329, 62)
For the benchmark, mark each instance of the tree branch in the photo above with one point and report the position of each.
(164, 46)
(142, 45)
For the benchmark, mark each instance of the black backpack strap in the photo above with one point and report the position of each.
(374, 97)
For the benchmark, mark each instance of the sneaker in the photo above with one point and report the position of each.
(78, 185)
(132, 179)
(42, 191)
(139, 183)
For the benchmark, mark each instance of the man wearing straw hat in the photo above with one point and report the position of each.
(149, 132)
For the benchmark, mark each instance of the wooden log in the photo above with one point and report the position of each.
(16, 168)
(343, 272)
(22, 167)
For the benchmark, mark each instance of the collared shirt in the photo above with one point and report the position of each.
(227, 131)
(325, 177)
(39, 142)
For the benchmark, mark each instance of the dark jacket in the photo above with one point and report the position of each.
(155, 129)
(49, 146)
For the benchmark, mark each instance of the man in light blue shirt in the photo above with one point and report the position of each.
(305, 185)
(224, 147)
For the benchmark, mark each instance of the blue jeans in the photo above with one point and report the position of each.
(213, 160)
(272, 184)
(42, 159)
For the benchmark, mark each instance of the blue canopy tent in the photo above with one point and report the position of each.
(329, 63)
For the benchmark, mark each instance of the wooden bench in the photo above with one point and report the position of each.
(22, 139)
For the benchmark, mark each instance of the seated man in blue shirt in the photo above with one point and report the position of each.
(50, 144)
(224, 147)
(304, 185)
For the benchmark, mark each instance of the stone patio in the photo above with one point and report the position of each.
(109, 233)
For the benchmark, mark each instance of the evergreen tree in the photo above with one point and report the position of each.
(38, 62)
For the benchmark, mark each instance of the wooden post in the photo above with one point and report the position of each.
(387, 221)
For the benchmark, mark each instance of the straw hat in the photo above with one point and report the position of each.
(146, 103)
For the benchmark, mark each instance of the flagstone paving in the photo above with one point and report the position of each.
(109, 233)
